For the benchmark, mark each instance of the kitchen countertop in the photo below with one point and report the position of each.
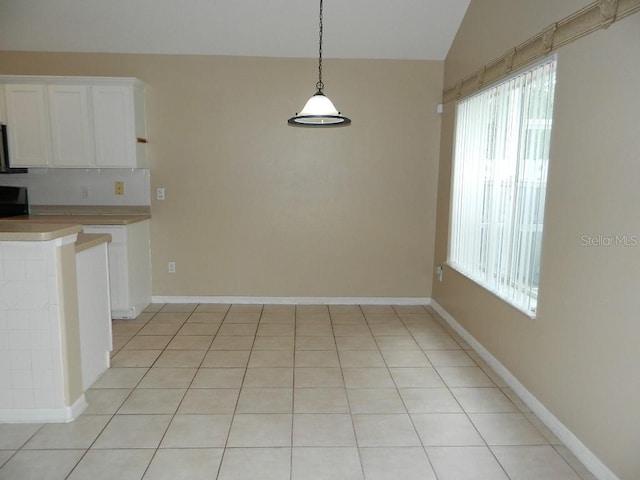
(87, 240)
(36, 232)
(86, 214)
(48, 222)
(108, 219)
(89, 209)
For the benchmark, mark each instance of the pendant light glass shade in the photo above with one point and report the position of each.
(319, 111)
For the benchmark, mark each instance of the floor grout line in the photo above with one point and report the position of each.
(336, 318)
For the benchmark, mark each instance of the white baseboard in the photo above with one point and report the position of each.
(297, 300)
(44, 415)
(566, 436)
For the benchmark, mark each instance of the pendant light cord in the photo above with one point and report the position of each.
(319, 111)
(320, 85)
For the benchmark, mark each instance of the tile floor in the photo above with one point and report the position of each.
(300, 393)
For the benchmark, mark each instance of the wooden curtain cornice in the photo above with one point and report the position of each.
(599, 14)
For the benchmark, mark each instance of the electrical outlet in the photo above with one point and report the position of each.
(172, 267)
(119, 188)
(160, 193)
(84, 192)
(439, 272)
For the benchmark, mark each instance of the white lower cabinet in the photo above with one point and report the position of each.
(129, 267)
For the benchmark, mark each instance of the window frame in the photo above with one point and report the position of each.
(542, 183)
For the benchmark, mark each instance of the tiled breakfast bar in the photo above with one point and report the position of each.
(40, 338)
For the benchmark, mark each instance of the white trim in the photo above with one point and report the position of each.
(297, 300)
(78, 407)
(573, 443)
(44, 415)
(130, 313)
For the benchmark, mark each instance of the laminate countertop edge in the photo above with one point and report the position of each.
(36, 232)
(86, 241)
(107, 219)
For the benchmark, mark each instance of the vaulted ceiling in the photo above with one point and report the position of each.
(397, 29)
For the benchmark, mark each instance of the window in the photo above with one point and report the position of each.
(499, 184)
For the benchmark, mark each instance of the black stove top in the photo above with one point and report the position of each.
(13, 201)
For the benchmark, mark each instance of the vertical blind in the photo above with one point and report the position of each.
(499, 184)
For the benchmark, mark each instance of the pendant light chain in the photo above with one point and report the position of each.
(320, 85)
(319, 111)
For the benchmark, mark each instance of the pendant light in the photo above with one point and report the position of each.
(319, 110)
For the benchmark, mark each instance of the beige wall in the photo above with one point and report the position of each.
(257, 208)
(580, 356)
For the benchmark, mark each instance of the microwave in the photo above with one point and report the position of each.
(5, 165)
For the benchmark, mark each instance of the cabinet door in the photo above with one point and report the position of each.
(114, 120)
(118, 267)
(71, 128)
(3, 110)
(118, 278)
(28, 126)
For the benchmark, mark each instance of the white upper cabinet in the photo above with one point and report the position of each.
(72, 134)
(119, 125)
(81, 122)
(28, 125)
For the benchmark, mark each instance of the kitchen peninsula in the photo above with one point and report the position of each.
(56, 304)
(40, 348)
(129, 249)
